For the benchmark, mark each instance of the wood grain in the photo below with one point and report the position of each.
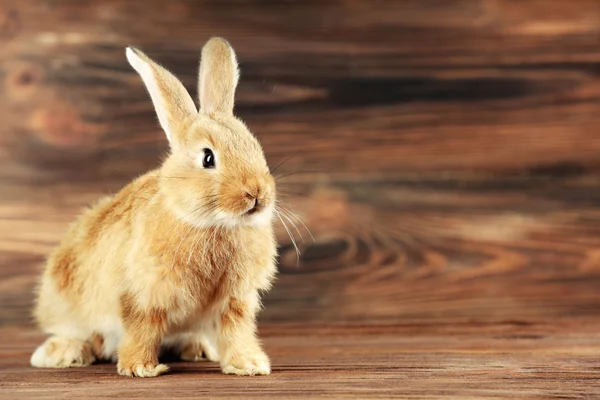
(447, 152)
(497, 360)
(468, 86)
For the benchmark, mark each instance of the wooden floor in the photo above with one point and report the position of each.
(497, 360)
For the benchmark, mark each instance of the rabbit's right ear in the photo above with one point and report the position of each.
(172, 102)
(218, 77)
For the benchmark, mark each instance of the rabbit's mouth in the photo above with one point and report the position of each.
(255, 208)
(259, 214)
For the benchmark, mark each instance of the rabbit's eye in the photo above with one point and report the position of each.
(208, 161)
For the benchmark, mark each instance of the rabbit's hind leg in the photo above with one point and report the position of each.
(60, 352)
(195, 345)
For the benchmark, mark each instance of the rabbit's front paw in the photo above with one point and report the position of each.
(247, 364)
(142, 370)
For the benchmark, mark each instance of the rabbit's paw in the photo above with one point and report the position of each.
(247, 364)
(141, 369)
(58, 352)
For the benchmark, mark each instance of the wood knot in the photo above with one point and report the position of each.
(25, 78)
(23, 81)
(326, 254)
(60, 124)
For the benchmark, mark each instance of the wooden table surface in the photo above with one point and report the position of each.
(496, 360)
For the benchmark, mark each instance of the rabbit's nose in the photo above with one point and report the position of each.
(253, 190)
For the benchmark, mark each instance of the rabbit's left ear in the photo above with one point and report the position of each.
(172, 102)
(218, 77)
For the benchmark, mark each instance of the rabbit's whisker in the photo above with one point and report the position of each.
(296, 218)
(284, 161)
(291, 238)
(281, 176)
(284, 215)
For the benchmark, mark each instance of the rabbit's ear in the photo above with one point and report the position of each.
(218, 77)
(173, 104)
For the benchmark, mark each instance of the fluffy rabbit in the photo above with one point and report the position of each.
(177, 258)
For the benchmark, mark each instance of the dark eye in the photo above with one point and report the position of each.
(208, 161)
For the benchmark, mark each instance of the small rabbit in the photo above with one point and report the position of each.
(177, 258)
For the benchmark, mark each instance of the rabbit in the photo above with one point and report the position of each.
(178, 258)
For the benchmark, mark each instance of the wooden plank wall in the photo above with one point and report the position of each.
(447, 152)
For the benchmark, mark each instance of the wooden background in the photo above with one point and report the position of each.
(448, 152)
